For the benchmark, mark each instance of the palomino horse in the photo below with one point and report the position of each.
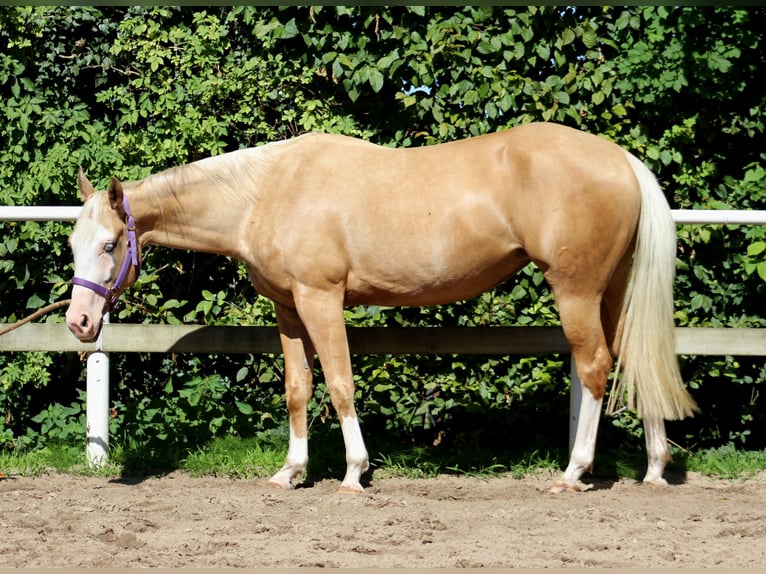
(324, 221)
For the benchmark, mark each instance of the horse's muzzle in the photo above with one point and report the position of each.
(83, 326)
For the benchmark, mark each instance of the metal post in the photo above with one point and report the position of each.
(97, 404)
(575, 398)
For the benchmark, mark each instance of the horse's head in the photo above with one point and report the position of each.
(106, 257)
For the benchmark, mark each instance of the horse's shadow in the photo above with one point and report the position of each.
(136, 477)
(609, 474)
(312, 479)
(598, 482)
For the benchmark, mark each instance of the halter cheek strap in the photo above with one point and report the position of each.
(111, 294)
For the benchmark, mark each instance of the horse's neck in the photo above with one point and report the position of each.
(187, 209)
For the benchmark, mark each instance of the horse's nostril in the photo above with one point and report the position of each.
(84, 322)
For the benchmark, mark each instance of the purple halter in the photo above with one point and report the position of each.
(131, 259)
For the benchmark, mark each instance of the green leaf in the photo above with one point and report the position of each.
(337, 68)
(597, 98)
(589, 37)
(149, 414)
(376, 80)
(718, 62)
(346, 61)
(756, 248)
(385, 62)
(35, 302)
(244, 408)
(289, 30)
(619, 110)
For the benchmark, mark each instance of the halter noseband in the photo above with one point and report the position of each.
(131, 259)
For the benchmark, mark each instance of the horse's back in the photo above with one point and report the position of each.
(543, 160)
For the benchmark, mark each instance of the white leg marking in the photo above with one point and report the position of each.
(584, 449)
(657, 450)
(357, 460)
(295, 463)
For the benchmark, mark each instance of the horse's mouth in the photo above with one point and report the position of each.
(86, 337)
(87, 340)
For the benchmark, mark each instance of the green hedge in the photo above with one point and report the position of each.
(128, 91)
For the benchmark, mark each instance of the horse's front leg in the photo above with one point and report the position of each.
(322, 313)
(299, 359)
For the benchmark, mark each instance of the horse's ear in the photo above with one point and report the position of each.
(114, 191)
(86, 189)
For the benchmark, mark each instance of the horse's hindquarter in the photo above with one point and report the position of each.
(576, 202)
(412, 226)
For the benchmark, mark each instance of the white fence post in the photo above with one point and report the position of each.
(97, 404)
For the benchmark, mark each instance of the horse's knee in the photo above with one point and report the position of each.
(342, 398)
(297, 400)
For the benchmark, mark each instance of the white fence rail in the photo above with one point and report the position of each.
(53, 337)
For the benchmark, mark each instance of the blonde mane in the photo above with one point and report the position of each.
(235, 175)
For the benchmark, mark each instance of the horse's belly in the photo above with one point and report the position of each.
(419, 282)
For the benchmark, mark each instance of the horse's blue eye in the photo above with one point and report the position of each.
(109, 247)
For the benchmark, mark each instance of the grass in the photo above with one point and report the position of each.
(727, 462)
(235, 458)
(249, 458)
(32, 463)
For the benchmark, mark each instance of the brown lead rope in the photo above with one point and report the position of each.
(35, 315)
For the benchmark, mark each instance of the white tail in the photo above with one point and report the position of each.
(651, 379)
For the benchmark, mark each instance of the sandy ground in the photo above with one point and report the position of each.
(177, 521)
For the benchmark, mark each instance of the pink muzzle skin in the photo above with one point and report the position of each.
(111, 294)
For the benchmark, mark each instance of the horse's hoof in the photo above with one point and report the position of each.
(564, 486)
(655, 482)
(277, 483)
(351, 488)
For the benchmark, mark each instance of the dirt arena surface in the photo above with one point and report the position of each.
(180, 521)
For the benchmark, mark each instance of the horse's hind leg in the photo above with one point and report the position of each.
(581, 320)
(657, 450)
